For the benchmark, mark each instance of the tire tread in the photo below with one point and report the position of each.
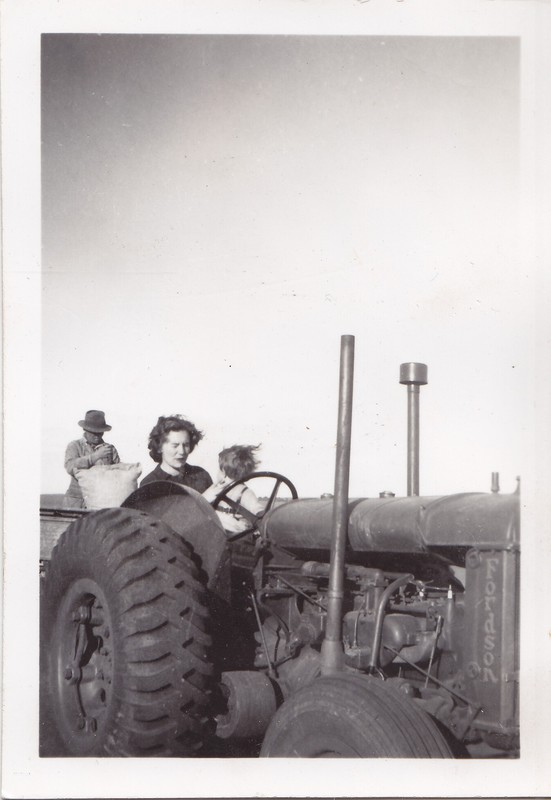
(158, 605)
(361, 715)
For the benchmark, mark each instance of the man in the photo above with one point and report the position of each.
(170, 442)
(87, 452)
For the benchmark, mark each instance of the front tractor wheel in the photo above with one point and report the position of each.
(352, 716)
(127, 639)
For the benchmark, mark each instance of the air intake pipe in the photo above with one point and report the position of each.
(332, 656)
(413, 375)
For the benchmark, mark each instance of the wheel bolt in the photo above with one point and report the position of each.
(91, 725)
(68, 674)
(106, 633)
(80, 724)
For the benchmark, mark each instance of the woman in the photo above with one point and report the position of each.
(170, 442)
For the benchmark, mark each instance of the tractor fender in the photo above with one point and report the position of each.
(192, 517)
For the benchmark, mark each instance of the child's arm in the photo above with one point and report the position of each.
(214, 489)
(251, 502)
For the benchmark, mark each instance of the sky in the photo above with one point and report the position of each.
(217, 210)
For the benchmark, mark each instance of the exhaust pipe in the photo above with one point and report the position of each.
(332, 655)
(413, 375)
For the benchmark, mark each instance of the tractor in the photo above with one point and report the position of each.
(330, 627)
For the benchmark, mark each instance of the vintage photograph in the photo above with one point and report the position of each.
(286, 323)
(207, 203)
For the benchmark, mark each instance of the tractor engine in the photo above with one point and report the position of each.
(429, 602)
(391, 620)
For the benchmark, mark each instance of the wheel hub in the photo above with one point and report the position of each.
(83, 661)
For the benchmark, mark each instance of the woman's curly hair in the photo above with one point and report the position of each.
(175, 422)
(238, 460)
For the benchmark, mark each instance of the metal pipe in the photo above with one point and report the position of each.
(439, 621)
(332, 654)
(413, 440)
(300, 592)
(432, 678)
(413, 375)
(379, 618)
(271, 671)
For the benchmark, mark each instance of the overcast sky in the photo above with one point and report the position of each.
(218, 210)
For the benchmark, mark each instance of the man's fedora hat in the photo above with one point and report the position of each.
(94, 421)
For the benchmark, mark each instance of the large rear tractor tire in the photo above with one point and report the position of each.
(127, 639)
(352, 716)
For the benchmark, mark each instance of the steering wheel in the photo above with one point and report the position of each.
(237, 508)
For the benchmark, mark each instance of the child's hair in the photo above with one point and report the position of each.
(238, 460)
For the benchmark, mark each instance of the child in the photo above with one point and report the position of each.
(235, 463)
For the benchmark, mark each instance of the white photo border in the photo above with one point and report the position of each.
(24, 773)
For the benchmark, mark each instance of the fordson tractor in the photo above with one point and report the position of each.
(378, 627)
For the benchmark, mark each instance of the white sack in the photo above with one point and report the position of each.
(105, 486)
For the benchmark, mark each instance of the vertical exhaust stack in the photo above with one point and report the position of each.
(413, 375)
(332, 655)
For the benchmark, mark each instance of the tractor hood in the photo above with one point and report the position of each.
(400, 524)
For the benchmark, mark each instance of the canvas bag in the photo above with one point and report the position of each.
(105, 486)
